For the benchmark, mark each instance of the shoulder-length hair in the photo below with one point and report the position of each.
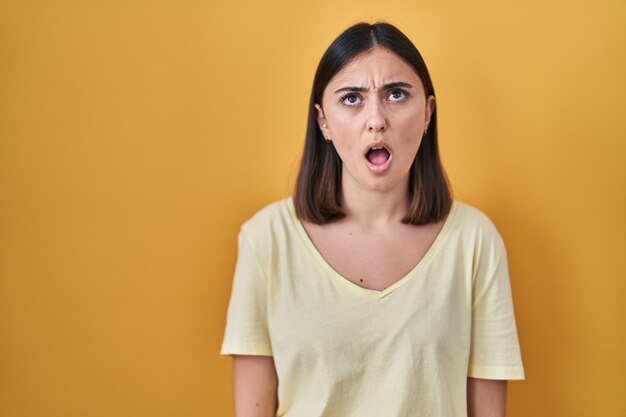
(318, 185)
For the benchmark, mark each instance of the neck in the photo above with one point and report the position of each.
(373, 209)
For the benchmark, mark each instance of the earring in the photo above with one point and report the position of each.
(325, 138)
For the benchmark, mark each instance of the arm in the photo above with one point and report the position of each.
(255, 386)
(486, 397)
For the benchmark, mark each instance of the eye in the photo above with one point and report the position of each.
(398, 95)
(350, 99)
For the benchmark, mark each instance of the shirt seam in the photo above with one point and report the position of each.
(489, 281)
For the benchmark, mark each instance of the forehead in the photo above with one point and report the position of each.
(373, 69)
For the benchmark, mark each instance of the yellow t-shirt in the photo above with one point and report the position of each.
(341, 350)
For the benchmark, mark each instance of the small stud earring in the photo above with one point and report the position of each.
(324, 125)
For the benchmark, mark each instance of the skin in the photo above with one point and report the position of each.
(397, 116)
(486, 397)
(374, 202)
(255, 386)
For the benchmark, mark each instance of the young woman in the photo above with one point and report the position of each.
(371, 291)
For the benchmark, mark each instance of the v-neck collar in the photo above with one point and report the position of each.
(336, 276)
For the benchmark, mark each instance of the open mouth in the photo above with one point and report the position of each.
(378, 155)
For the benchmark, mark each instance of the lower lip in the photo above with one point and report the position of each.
(378, 169)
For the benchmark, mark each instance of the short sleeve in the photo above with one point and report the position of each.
(494, 350)
(246, 330)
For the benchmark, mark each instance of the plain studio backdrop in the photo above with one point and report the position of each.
(136, 136)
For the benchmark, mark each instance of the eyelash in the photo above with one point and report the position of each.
(342, 98)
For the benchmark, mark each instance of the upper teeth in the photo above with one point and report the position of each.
(377, 147)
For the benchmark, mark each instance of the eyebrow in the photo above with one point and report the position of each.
(385, 87)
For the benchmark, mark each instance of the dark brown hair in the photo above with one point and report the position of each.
(318, 186)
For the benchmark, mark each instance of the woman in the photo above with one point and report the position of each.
(371, 291)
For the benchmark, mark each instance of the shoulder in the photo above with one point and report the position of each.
(476, 227)
(272, 223)
(269, 228)
(471, 216)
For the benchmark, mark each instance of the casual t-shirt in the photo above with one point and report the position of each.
(341, 350)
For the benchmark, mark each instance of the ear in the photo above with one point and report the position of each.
(430, 109)
(321, 121)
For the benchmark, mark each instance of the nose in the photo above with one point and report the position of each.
(375, 118)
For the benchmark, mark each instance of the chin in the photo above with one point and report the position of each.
(378, 183)
(381, 185)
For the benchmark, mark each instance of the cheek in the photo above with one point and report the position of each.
(347, 152)
(411, 123)
(411, 129)
(345, 135)
(411, 138)
(343, 124)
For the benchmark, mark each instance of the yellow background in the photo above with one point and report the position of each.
(136, 136)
